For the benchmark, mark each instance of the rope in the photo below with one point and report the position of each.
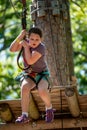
(23, 20)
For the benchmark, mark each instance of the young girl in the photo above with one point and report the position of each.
(34, 56)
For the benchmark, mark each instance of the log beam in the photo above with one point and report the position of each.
(15, 105)
(42, 125)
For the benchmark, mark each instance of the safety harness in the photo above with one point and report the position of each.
(36, 77)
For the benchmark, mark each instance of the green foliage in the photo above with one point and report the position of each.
(10, 26)
(10, 21)
(7, 75)
(78, 15)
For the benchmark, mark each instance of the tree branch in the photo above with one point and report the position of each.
(78, 5)
(80, 53)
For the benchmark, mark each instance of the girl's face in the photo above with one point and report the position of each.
(34, 40)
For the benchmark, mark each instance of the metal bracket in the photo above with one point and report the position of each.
(32, 14)
(64, 10)
(55, 7)
(41, 6)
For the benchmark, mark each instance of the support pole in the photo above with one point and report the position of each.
(5, 112)
(33, 110)
(72, 102)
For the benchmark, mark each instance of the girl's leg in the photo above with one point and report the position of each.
(26, 87)
(44, 94)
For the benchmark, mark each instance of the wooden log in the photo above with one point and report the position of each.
(15, 105)
(5, 112)
(42, 125)
(33, 109)
(72, 102)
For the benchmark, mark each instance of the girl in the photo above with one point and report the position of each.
(36, 75)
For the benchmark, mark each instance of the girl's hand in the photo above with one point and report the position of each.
(24, 43)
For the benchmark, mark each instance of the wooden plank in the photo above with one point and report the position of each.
(42, 125)
(15, 105)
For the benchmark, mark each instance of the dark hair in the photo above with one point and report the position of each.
(36, 31)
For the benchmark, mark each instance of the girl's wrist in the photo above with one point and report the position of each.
(23, 33)
(20, 36)
(17, 40)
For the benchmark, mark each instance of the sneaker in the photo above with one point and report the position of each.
(49, 115)
(22, 119)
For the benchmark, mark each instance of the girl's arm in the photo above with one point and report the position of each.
(31, 58)
(16, 44)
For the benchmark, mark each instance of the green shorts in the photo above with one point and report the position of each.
(36, 77)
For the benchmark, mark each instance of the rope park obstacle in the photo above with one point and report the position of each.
(52, 17)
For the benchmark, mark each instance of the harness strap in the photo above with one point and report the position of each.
(36, 77)
(39, 76)
(43, 75)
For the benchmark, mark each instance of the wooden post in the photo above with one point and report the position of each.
(5, 112)
(72, 101)
(33, 110)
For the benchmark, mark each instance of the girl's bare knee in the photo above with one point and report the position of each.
(27, 85)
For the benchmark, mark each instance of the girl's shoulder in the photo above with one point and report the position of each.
(41, 48)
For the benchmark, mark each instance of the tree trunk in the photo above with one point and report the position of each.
(54, 20)
(52, 16)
